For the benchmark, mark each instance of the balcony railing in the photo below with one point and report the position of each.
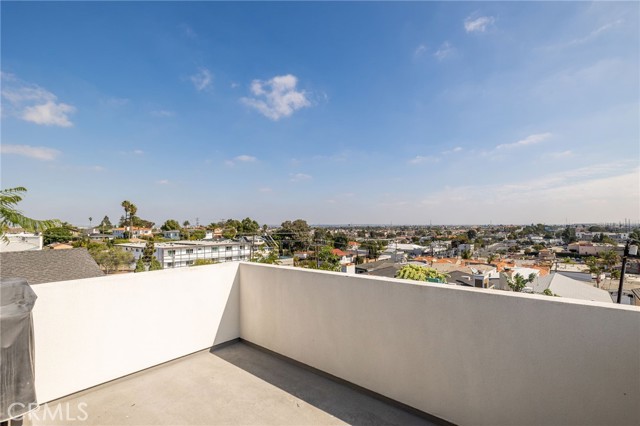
(468, 356)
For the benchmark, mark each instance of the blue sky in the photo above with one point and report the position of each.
(474, 112)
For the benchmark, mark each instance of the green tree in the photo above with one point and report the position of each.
(517, 283)
(127, 205)
(11, 216)
(202, 262)
(197, 234)
(595, 267)
(105, 225)
(155, 264)
(341, 241)
(421, 273)
(294, 235)
(466, 254)
(170, 225)
(271, 258)
(148, 252)
(112, 258)
(249, 226)
(140, 266)
(60, 234)
(491, 258)
(327, 261)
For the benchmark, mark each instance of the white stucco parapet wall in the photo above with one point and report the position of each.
(469, 356)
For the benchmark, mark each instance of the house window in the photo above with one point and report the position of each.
(214, 248)
(229, 248)
(189, 251)
(171, 252)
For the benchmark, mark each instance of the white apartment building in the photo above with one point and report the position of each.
(185, 253)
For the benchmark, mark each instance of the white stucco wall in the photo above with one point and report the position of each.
(91, 331)
(469, 356)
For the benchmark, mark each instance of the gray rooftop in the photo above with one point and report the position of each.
(236, 384)
(43, 266)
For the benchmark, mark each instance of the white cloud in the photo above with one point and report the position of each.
(34, 104)
(138, 151)
(246, 158)
(202, 79)
(241, 159)
(444, 51)
(278, 97)
(162, 113)
(299, 177)
(454, 150)
(36, 152)
(479, 24)
(163, 182)
(419, 159)
(561, 154)
(529, 140)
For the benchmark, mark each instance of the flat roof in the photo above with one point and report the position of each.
(235, 385)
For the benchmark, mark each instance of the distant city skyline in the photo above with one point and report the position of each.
(449, 113)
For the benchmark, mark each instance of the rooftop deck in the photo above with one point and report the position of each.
(236, 384)
(122, 345)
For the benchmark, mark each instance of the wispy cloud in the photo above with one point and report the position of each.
(453, 151)
(478, 24)
(277, 98)
(299, 177)
(419, 159)
(36, 152)
(246, 158)
(202, 80)
(561, 154)
(444, 51)
(162, 113)
(163, 182)
(240, 159)
(419, 51)
(188, 31)
(138, 151)
(595, 191)
(529, 140)
(589, 37)
(34, 104)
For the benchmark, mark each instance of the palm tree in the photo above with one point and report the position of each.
(90, 219)
(10, 216)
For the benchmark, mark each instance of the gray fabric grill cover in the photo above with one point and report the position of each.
(16, 348)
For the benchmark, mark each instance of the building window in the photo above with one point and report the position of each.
(170, 265)
(171, 252)
(228, 258)
(189, 251)
(190, 262)
(214, 248)
(229, 248)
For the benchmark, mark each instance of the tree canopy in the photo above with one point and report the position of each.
(11, 216)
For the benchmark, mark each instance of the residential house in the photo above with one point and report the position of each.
(135, 232)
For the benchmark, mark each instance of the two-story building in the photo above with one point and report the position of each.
(134, 232)
(185, 253)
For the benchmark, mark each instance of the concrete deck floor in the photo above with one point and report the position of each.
(233, 385)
